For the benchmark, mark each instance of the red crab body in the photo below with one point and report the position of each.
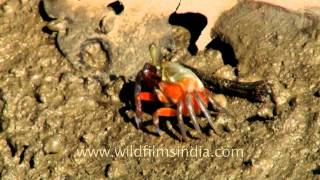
(174, 88)
(178, 88)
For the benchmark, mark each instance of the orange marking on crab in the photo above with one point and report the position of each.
(176, 92)
(146, 96)
(166, 112)
(171, 90)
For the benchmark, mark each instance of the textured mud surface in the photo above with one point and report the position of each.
(88, 34)
(50, 108)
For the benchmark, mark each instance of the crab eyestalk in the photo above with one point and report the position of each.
(155, 55)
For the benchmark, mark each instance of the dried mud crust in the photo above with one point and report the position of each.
(86, 34)
(49, 109)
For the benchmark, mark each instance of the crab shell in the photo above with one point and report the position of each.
(176, 82)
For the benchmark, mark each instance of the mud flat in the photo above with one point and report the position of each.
(52, 109)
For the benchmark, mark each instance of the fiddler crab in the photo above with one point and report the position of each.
(178, 88)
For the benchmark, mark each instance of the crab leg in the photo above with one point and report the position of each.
(142, 96)
(216, 106)
(191, 112)
(138, 104)
(204, 109)
(167, 112)
(180, 120)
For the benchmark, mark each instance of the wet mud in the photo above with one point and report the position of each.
(53, 103)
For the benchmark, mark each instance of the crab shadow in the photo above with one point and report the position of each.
(127, 97)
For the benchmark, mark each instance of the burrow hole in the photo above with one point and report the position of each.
(117, 6)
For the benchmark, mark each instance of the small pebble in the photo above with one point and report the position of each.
(226, 72)
(266, 111)
(221, 100)
(54, 144)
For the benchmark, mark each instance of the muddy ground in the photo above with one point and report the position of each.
(51, 108)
